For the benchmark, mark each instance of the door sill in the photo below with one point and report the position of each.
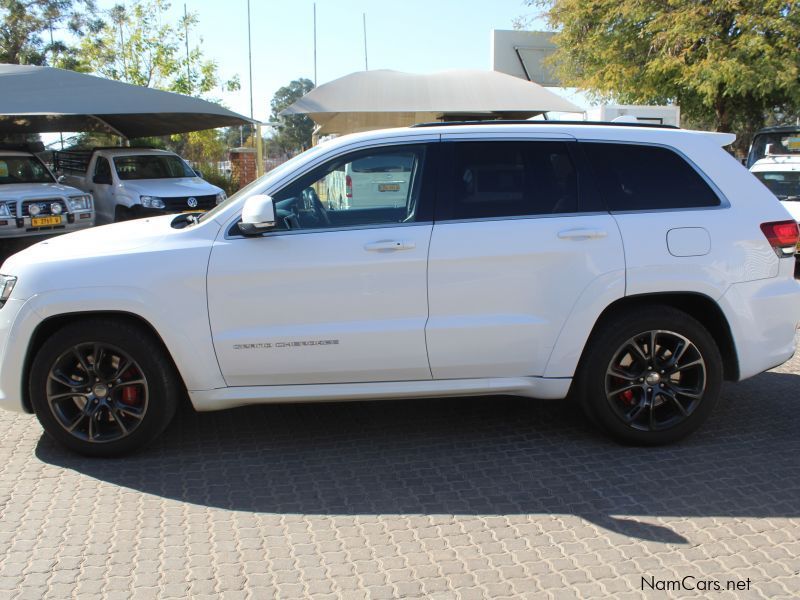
(230, 397)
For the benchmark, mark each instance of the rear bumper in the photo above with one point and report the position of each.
(763, 316)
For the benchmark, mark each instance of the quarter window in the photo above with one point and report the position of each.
(639, 177)
(508, 179)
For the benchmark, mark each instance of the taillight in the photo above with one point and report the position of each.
(782, 236)
(348, 186)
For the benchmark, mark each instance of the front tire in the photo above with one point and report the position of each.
(103, 387)
(651, 376)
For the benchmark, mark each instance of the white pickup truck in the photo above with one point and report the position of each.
(129, 183)
(32, 202)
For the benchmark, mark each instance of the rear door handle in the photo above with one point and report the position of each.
(389, 246)
(582, 234)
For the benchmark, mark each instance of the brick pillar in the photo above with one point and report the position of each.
(243, 165)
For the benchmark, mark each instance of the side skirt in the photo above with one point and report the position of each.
(532, 387)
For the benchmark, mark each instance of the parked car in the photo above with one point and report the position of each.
(32, 202)
(781, 174)
(129, 183)
(631, 267)
(784, 139)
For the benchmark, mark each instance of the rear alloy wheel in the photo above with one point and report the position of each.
(103, 387)
(651, 377)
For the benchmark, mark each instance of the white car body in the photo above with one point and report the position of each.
(18, 197)
(128, 193)
(476, 306)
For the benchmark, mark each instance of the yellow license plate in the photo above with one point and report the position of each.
(45, 221)
(388, 187)
(195, 211)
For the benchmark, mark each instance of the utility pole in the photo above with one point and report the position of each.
(366, 64)
(190, 87)
(315, 44)
(250, 58)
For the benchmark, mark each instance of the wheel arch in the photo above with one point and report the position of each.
(53, 323)
(697, 305)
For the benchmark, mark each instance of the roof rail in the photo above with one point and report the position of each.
(527, 122)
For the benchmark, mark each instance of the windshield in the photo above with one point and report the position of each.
(784, 184)
(780, 143)
(23, 169)
(263, 181)
(152, 166)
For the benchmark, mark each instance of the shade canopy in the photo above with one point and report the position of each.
(42, 99)
(374, 99)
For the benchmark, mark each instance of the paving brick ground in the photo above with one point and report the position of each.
(459, 498)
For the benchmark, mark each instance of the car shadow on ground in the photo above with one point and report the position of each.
(472, 456)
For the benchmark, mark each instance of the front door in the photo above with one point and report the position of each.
(102, 189)
(337, 293)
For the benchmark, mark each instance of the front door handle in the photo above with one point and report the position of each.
(582, 234)
(389, 246)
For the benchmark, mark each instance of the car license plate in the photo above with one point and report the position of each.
(195, 211)
(45, 221)
(388, 187)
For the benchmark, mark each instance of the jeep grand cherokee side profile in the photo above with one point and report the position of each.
(633, 268)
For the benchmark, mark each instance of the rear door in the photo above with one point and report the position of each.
(517, 240)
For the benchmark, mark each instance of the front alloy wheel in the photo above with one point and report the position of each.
(97, 392)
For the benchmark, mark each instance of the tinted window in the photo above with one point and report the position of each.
(149, 166)
(102, 168)
(637, 177)
(23, 169)
(507, 179)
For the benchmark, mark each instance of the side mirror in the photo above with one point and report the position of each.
(60, 179)
(258, 215)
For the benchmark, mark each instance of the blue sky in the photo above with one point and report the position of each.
(414, 35)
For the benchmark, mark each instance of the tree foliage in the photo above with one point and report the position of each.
(729, 64)
(33, 32)
(294, 131)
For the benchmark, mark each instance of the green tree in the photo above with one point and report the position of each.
(33, 32)
(730, 64)
(294, 131)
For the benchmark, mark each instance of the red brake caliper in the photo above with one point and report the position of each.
(130, 393)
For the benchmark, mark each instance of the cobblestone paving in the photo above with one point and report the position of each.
(458, 498)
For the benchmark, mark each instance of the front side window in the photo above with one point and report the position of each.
(368, 187)
(152, 166)
(508, 179)
(640, 177)
(23, 169)
(102, 169)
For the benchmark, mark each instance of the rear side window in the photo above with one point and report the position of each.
(638, 177)
(508, 179)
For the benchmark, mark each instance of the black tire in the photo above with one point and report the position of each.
(70, 355)
(122, 213)
(611, 360)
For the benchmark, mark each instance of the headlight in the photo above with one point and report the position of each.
(34, 209)
(4, 210)
(55, 208)
(221, 197)
(7, 283)
(80, 203)
(152, 202)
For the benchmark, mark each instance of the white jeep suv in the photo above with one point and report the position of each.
(633, 268)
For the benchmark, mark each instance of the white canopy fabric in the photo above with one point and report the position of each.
(369, 100)
(40, 99)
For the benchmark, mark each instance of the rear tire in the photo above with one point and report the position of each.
(103, 387)
(651, 376)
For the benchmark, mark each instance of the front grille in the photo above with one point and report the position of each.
(44, 203)
(12, 207)
(182, 203)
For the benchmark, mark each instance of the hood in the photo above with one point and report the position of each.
(29, 191)
(170, 188)
(105, 240)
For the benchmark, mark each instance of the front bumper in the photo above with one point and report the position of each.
(17, 324)
(16, 227)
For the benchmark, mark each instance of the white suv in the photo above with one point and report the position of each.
(633, 268)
